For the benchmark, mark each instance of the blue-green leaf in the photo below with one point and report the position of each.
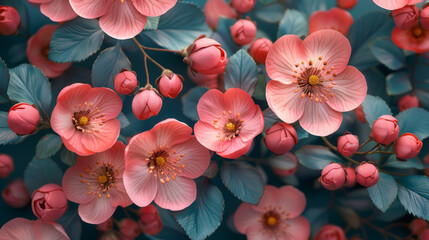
(309, 6)
(243, 180)
(204, 215)
(28, 84)
(109, 63)
(68, 157)
(316, 157)
(386, 52)
(72, 224)
(240, 72)
(398, 83)
(123, 120)
(270, 13)
(224, 37)
(415, 121)
(293, 22)
(48, 145)
(4, 78)
(40, 172)
(374, 107)
(414, 195)
(7, 136)
(190, 101)
(384, 192)
(392, 162)
(76, 40)
(152, 23)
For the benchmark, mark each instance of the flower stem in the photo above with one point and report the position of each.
(146, 70)
(146, 55)
(364, 143)
(160, 49)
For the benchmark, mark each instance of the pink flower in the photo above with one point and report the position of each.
(10, 20)
(6, 165)
(395, 4)
(129, 228)
(161, 163)
(23, 118)
(418, 225)
(170, 84)
(228, 122)
(49, 202)
(15, 194)
(405, 17)
(277, 216)
(214, 9)
(367, 174)
(407, 146)
(280, 138)
(350, 177)
(333, 176)
(259, 49)
(149, 221)
(243, 6)
(336, 19)
(346, 4)
(146, 103)
(243, 31)
(56, 10)
(385, 130)
(95, 182)
(105, 226)
(85, 118)
(21, 228)
(415, 39)
(408, 101)
(126, 82)
(424, 235)
(121, 19)
(311, 81)
(38, 50)
(205, 56)
(330, 232)
(424, 17)
(348, 144)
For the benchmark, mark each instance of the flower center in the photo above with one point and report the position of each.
(417, 32)
(313, 80)
(230, 126)
(87, 118)
(271, 221)
(101, 179)
(160, 161)
(83, 121)
(164, 164)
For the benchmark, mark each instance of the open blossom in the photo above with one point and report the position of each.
(56, 10)
(228, 122)
(415, 38)
(160, 165)
(85, 118)
(277, 216)
(336, 19)
(395, 4)
(311, 81)
(121, 19)
(95, 182)
(21, 228)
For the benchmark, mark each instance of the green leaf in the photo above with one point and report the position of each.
(48, 145)
(293, 22)
(68, 157)
(392, 162)
(4, 78)
(415, 121)
(152, 23)
(40, 172)
(190, 102)
(316, 157)
(398, 83)
(386, 52)
(7, 136)
(374, 107)
(414, 195)
(384, 192)
(240, 72)
(272, 13)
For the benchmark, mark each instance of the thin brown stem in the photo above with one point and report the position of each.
(364, 143)
(385, 152)
(146, 70)
(160, 49)
(330, 145)
(380, 230)
(146, 55)
(369, 151)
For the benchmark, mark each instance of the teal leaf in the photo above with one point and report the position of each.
(76, 40)
(243, 180)
(152, 23)
(414, 195)
(384, 192)
(374, 107)
(241, 72)
(398, 83)
(224, 37)
(7, 136)
(260, 87)
(40, 172)
(272, 13)
(72, 224)
(123, 120)
(204, 215)
(392, 162)
(293, 22)
(109, 63)
(28, 84)
(415, 121)
(309, 6)
(68, 157)
(48, 145)
(190, 101)
(4, 78)
(316, 157)
(387, 53)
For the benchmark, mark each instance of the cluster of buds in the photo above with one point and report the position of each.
(334, 176)
(409, 16)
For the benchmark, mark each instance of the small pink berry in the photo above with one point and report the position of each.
(350, 177)
(205, 56)
(330, 232)
(280, 138)
(49, 202)
(284, 165)
(23, 118)
(367, 174)
(10, 21)
(424, 17)
(149, 221)
(105, 226)
(129, 228)
(6, 165)
(243, 31)
(15, 194)
(418, 225)
(348, 144)
(243, 6)
(408, 101)
(385, 130)
(170, 84)
(126, 82)
(146, 103)
(407, 146)
(346, 4)
(333, 176)
(405, 17)
(259, 49)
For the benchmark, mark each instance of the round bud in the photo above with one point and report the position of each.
(146, 103)
(348, 144)
(259, 49)
(405, 17)
(367, 174)
(129, 228)
(408, 101)
(206, 56)
(329, 232)
(149, 221)
(243, 31)
(23, 118)
(15, 194)
(284, 165)
(333, 176)
(126, 82)
(407, 146)
(170, 86)
(49, 202)
(10, 21)
(280, 138)
(350, 177)
(385, 130)
(6, 165)
(243, 6)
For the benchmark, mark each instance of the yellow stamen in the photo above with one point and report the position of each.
(83, 121)
(160, 161)
(271, 221)
(230, 126)
(313, 80)
(102, 179)
(417, 32)
(122, 1)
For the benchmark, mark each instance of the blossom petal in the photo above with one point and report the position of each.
(61, 122)
(139, 184)
(336, 18)
(18, 228)
(320, 119)
(170, 132)
(49, 230)
(74, 144)
(153, 7)
(405, 40)
(140, 146)
(207, 135)
(299, 229)
(104, 139)
(96, 211)
(91, 8)
(211, 105)
(119, 196)
(58, 10)
(393, 4)
(245, 217)
(75, 190)
(235, 148)
(176, 194)
(106, 100)
(254, 232)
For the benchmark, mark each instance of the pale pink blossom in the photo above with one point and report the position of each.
(56, 10)
(336, 19)
(395, 4)
(21, 228)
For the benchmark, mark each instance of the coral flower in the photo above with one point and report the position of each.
(161, 163)
(85, 118)
(415, 39)
(277, 216)
(395, 4)
(21, 228)
(311, 81)
(336, 19)
(95, 182)
(228, 122)
(56, 10)
(121, 19)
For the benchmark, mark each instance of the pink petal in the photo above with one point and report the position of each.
(320, 119)
(285, 103)
(170, 132)
(211, 105)
(207, 134)
(75, 190)
(196, 158)
(91, 8)
(245, 217)
(104, 139)
(74, 144)
(332, 46)
(291, 200)
(51, 230)
(106, 100)
(114, 155)
(153, 7)
(299, 229)
(393, 4)
(139, 184)
(18, 228)
(349, 91)
(282, 57)
(122, 21)
(61, 122)
(336, 19)
(235, 148)
(119, 196)
(176, 194)
(255, 232)
(39, 1)
(240, 102)
(218, 8)
(96, 211)
(139, 146)
(73, 94)
(411, 2)
(253, 125)
(58, 10)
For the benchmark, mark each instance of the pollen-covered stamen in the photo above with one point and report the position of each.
(87, 118)
(164, 164)
(417, 32)
(99, 180)
(272, 222)
(228, 124)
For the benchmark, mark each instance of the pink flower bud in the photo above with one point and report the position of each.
(407, 146)
(424, 235)
(385, 130)
(367, 174)
(150, 223)
(350, 177)
(146, 103)
(259, 49)
(348, 144)
(243, 6)
(23, 118)
(15, 194)
(6, 165)
(170, 84)
(129, 228)
(243, 31)
(330, 232)
(284, 165)
(126, 82)
(360, 115)
(346, 4)
(205, 80)
(405, 17)
(333, 176)
(105, 226)
(206, 56)
(408, 101)
(49, 202)
(424, 17)
(10, 21)
(280, 138)
(418, 225)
